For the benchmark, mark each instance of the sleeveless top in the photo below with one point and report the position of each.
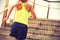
(22, 16)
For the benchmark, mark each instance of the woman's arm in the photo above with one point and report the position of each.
(32, 12)
(8, 14)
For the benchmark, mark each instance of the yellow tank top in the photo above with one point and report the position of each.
(22, 15)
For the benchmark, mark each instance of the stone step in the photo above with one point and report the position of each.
(44, 32)
(37, 30)
(41, 37)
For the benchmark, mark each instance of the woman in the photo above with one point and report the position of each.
(19, 27)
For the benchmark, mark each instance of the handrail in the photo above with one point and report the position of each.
(3, 10)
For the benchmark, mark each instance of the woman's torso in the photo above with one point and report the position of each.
(22, 13)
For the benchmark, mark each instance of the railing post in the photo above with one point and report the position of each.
(34, 4)
(48, 10)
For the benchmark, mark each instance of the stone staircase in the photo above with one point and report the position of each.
(40, 29)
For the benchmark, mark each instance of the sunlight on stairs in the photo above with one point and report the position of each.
(37, 30)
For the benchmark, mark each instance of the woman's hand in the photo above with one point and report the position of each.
(4, 19)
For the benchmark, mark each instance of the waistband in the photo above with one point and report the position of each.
(20, 23)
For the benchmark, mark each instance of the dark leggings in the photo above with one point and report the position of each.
(18, 30)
